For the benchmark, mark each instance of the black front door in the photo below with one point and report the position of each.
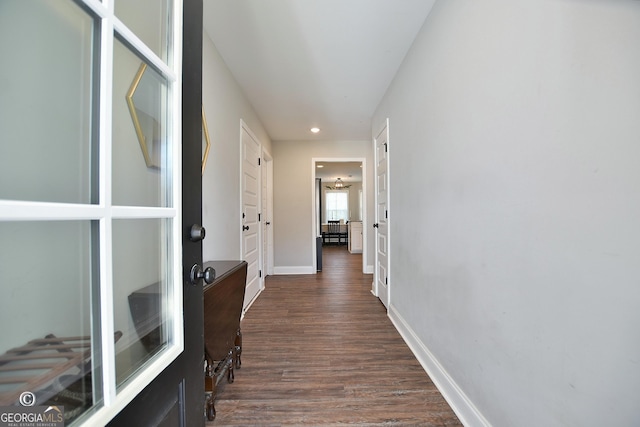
(176, 396)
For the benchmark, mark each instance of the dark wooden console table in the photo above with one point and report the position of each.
(223, 300)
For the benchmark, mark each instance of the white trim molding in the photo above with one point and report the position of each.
(459, 402)
(302, 269)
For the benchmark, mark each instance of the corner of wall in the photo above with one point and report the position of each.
(468, 414)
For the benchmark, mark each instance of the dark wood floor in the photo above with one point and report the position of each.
(320, 350)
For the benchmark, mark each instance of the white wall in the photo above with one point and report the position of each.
(514, 130)
(224, 105)
(292, 198)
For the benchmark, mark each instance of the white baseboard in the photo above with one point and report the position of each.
(368, 269)
(293, 270)
(459, 402)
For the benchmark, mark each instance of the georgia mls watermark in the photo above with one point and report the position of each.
(30, 415)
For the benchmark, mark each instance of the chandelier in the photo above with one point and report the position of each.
(338, 185)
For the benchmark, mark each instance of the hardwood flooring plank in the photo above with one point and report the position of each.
(320, 350)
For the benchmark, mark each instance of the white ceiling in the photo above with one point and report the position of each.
(347, 171)
(305, 63)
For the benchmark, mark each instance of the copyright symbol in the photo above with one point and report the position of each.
(27, 399)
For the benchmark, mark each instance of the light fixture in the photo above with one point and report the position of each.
(315, 130)
(319, 166)
(338, 185)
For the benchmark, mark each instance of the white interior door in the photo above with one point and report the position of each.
(250, 210)
(381, 273)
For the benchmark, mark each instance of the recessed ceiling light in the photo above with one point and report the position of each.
(315, 130)
(319, 166)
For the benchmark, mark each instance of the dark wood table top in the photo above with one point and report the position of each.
(223, 268)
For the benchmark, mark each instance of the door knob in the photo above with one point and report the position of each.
(197, 273)
(197, 233)
(375, 225)
(245, 227)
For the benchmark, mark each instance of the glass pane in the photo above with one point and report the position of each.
(46, 106)
(47, 271)
(149, 20)
(140, 291)
(140, 143)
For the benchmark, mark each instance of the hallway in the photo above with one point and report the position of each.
(320, 350)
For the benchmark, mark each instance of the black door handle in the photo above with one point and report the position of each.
(268, 223)
(197, 273)
(375, 225)
(245, 227)
(197, 233)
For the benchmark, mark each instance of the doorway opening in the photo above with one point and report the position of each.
(339, 192)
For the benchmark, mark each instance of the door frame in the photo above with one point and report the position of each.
(374, 286)
(267, 214)
(314, 219)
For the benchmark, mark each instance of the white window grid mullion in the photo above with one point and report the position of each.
(119, 212)
(96, 6)
(106, 313)
(148, 54)
(106, 226)
(11, 210)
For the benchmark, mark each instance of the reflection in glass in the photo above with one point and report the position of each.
(46, 104)
(47, 271)
(154, 29)
(140, 293)
(140, 143)
(206, 142)
(145, 122)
